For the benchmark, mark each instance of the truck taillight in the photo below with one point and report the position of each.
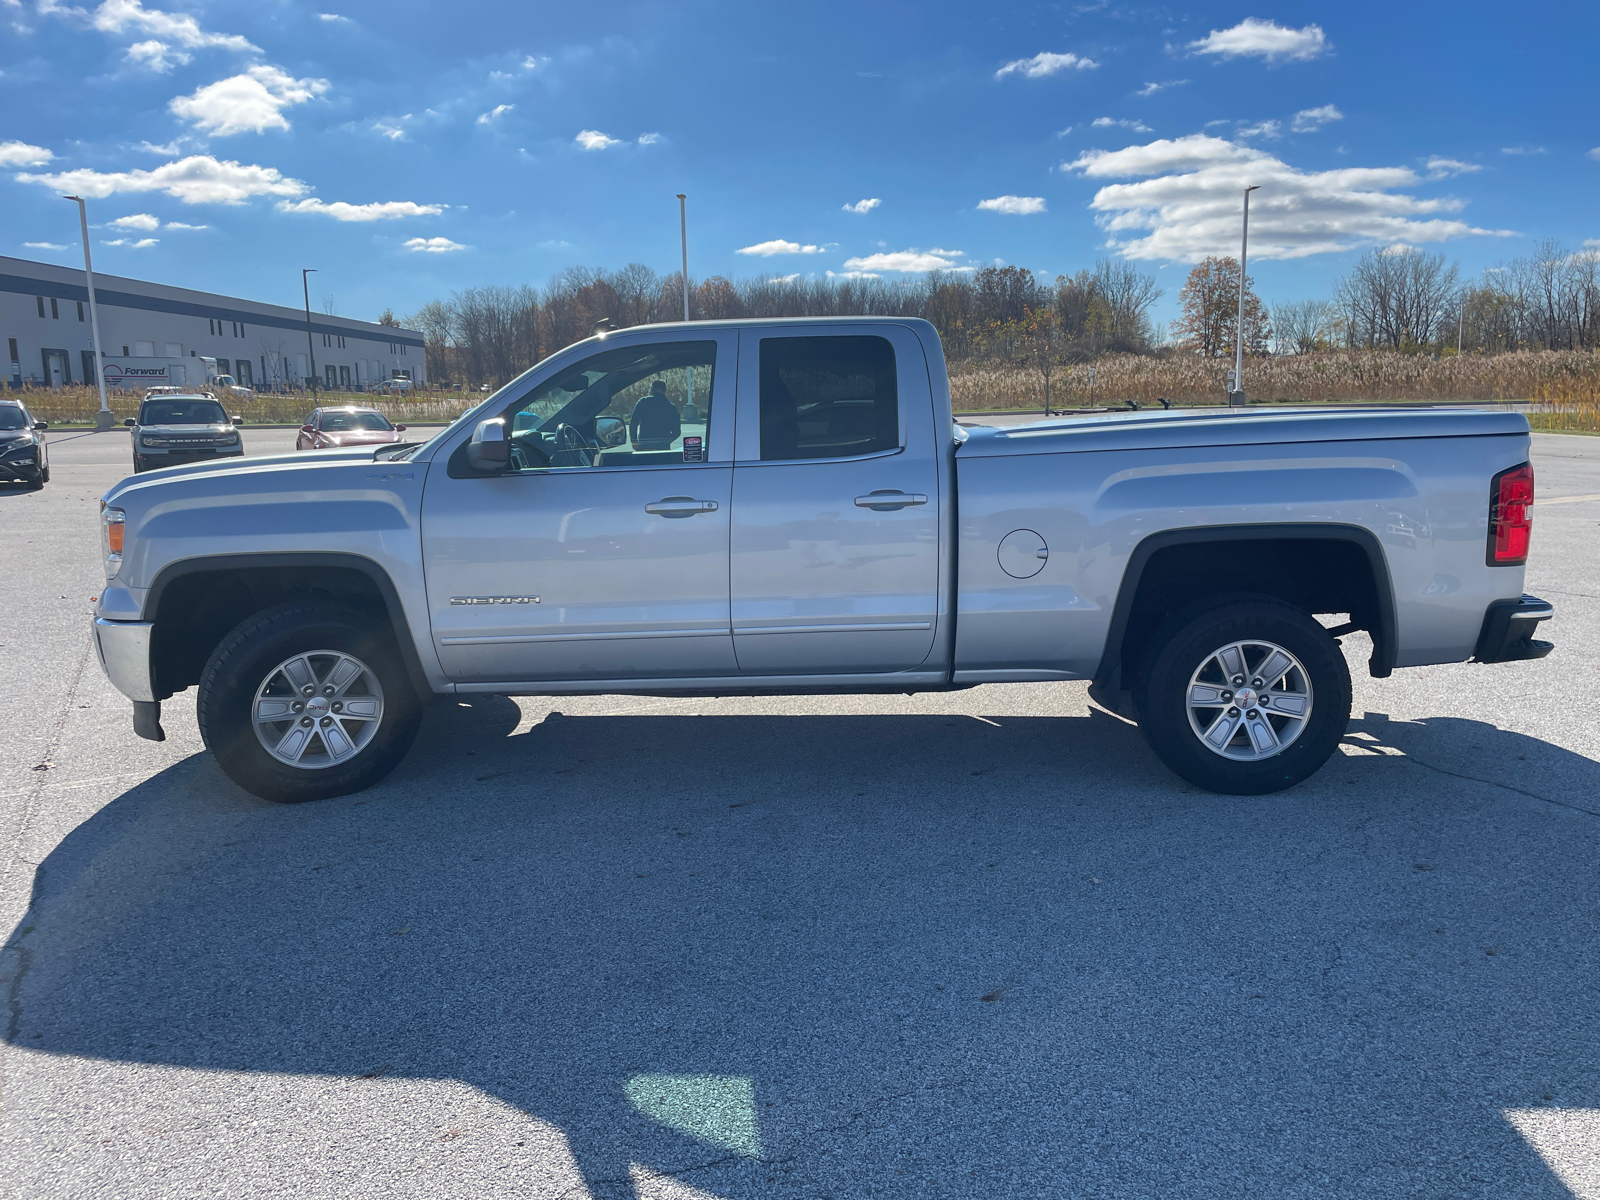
(1510, 516)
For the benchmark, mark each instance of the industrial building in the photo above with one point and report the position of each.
(154, 333)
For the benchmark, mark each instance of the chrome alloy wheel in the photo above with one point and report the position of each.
(1249, 700)
(317, 709)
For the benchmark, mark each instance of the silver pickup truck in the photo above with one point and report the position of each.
(786, 507)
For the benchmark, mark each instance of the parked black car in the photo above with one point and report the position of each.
(24, 456)
(171, 430)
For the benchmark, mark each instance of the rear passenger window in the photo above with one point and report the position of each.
(827, 397)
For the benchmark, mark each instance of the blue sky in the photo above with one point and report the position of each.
(407, 149)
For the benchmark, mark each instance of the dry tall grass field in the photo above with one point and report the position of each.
(1561, 387)
(78, 405)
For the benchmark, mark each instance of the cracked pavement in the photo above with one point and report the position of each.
(978, 944)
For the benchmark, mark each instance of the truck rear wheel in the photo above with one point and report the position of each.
(1246, 697)
(307, 701)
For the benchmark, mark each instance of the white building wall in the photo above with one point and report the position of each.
(139, 318)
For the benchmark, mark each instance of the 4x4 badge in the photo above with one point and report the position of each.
(494, 599)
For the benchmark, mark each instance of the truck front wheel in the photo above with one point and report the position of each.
(307, 701)
(1245, 697)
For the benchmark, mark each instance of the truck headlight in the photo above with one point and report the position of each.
(113, 524)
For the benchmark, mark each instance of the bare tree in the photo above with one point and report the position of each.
(1304, 326)
(1397, 298)
(1128, 294)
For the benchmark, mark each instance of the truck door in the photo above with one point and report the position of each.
(835, 539)
(603, 552)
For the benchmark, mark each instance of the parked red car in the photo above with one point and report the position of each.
(326, 428)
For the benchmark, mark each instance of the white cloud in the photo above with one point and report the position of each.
(649, 139)
(863, 206)
(181, 225)
(1061, 133)
(535, 62)
(433, 245)
(1150, 89)
(144, 221)
(1523, 150)
(115, 16)
(1263, 39)
(1595, 154)
(141, 244)
(20, 154)
(1588, 244)
(391, 129)
(334, 19)
(593, 139)
(387, 210)
(1041, 65)
(249, 103)
(198, 179)
(1443, 168)
(786, 278)
(495, 113)
(905, 261)
(156, 56)
(1015, 206)
(170, 149)
(1188, 206)
(53, 246)
(853, 275)
(778, 246)
(1122, 122)
(1264, 129)
(1309, 120)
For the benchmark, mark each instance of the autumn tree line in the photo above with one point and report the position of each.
(1401, 299)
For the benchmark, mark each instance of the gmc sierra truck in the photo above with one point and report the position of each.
(785, 507)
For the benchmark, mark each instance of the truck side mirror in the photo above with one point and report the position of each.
(489, 449)
(130, 422)
(41, 426)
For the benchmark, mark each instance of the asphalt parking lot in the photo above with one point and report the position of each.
(977, 944)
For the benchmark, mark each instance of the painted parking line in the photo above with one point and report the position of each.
(1565, 500)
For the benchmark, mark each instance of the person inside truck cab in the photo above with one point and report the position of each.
(655, 423)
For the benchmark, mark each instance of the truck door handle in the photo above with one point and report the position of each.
(680, 506)
(890, 499)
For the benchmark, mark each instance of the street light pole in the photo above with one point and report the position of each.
(102, 420)
(1236, 397)
(683, 233)
(305, 273)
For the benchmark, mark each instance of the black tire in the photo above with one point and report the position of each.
(243, 662)
(36, 484)
(44, 476)
(1189, 644)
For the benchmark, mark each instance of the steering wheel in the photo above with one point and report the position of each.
(570, 437)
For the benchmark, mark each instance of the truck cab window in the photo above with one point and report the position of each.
(827, 397)
(640, 405)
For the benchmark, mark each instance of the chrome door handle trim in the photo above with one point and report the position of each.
(889, 500)
(680, 506)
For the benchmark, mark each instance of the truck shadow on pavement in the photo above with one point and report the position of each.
(920, 955)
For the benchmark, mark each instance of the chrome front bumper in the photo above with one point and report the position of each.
(124, 650)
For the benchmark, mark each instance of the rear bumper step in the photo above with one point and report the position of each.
(1508, 628)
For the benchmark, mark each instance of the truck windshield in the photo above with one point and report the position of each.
(338, 422)
(182, 412)
(12, 417)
